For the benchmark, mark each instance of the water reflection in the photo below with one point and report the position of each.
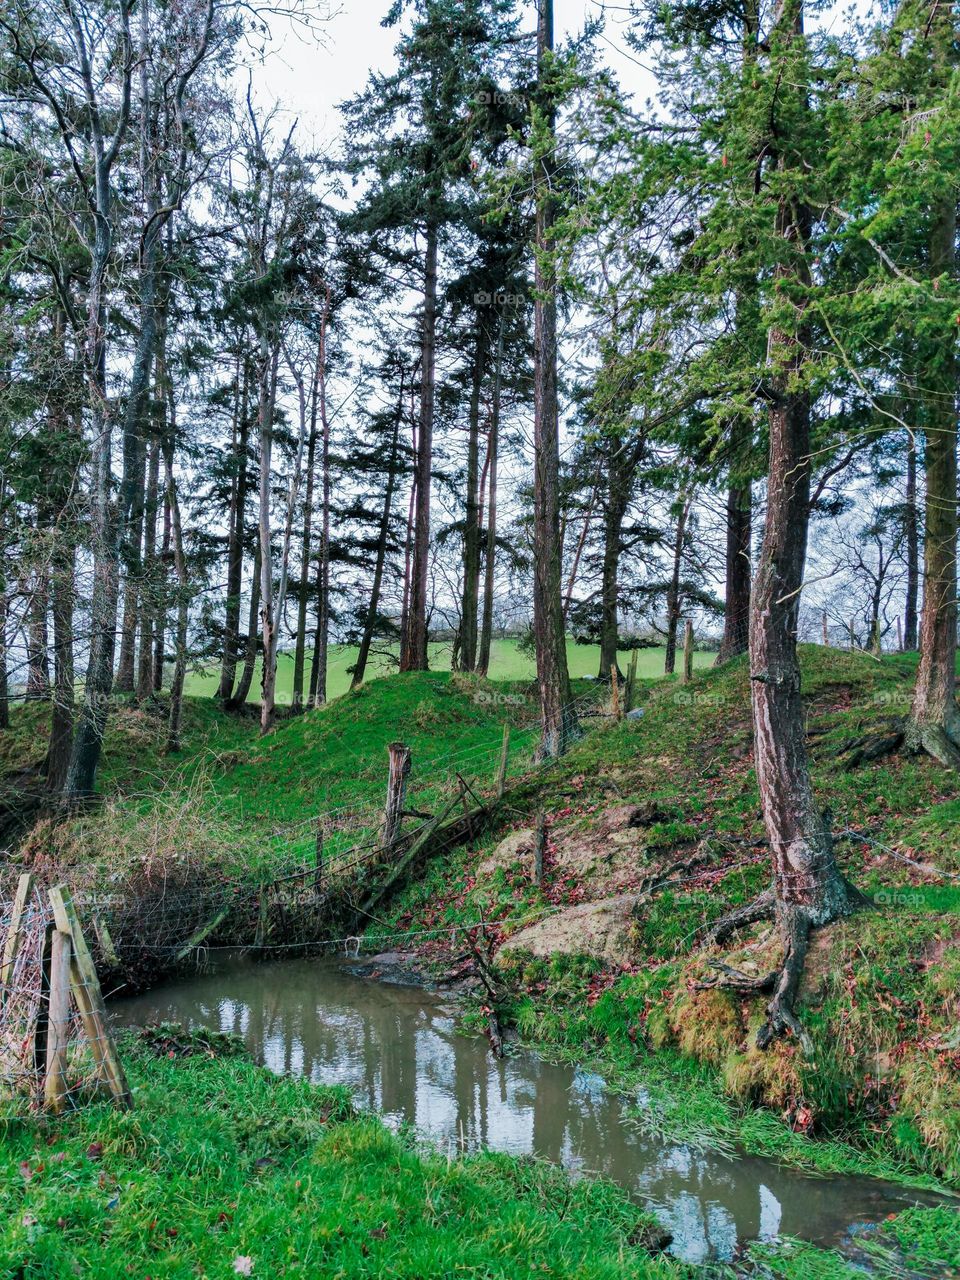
(397, 1049)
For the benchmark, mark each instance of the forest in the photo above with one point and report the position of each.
(590, 377)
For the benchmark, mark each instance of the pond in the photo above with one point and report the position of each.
(397, 1048)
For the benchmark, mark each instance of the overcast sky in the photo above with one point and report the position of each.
(307, 78)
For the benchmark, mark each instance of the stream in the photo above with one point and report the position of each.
(397, 1048)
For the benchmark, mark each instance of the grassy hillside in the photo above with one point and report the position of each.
(241, 1153)
(881, 991)
(506, 663)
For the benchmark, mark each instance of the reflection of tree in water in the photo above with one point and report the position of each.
(397, 1050)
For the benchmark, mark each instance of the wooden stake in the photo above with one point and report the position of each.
(199, 934)
(89, 997)
(539, 847)
(396, 793)
(502, 770)
(58, 1023)
(631, 680)
(318, 863)
(687, 653)
(11, 946)
(826, 633)
(108, 950)
(615, 692)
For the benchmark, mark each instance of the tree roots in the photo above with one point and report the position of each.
(934, 740)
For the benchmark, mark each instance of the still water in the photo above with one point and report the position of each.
(397, 1049)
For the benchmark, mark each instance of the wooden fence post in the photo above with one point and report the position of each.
(539, 847)
(615, 692)
(502, 770)
(58, 1023)
(318, 859)
(396, 793)
(89, 997)
(631, 681)
(826, 631)
(12, 944)
(687, 653)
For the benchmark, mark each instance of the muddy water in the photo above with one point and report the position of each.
(397, 1049)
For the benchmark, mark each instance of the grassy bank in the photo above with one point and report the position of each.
(880, 996)
(223, 1169)
(507, 662)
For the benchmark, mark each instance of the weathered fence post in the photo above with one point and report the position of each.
(502, 770)
(687, 653)
(615, 692)
(58, 1023)
(539, 846)
(631, 681)
(12, 944)
(826, 631)
(396, 793)
(318, 859)
(89, 997)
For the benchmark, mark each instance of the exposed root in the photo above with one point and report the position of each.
(731, 979)
(781, 1019)
(761, 908)
(872, 746)
(933, 740)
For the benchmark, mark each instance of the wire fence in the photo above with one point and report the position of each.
(315, 899)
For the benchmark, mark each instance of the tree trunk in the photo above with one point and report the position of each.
(300, 649)
(38, 638)
(383, 535)
(736, 614)
(911, 535)
(4, 678)
(615, 509)
(489, 568)
(238, 505)
(472, 516)
(268, 619)
(557, 717)
(148, 593)
(133, 582)
(673, 588)
(183, 603)
(934, 723)
(808, 889)
(242, 691)
(413, 652)
(160, 634)
(318, 673)
(61, 721)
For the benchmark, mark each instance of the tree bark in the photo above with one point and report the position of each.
(911, 535)
(242, 691)
(318, 672)
(300, 650)
(934, 722)
(383, 535)
(413, 652)
(472, 517)
(268, 621)
(183, 583)
(38, 638)
(236, 538)
(673, 589)
(61, 720)
(619, 471)
(736, 614)
(808, 887)
(558, 720)
(489, 568)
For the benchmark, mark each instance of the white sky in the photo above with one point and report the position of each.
(306, 78)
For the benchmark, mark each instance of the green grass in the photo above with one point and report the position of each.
(222, 1167)
(506, 663)
(880, 998)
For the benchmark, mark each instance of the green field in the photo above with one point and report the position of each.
(506, 663)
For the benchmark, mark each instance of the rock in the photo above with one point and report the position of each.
(635, 714)
(509, 852)
(603, 929)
